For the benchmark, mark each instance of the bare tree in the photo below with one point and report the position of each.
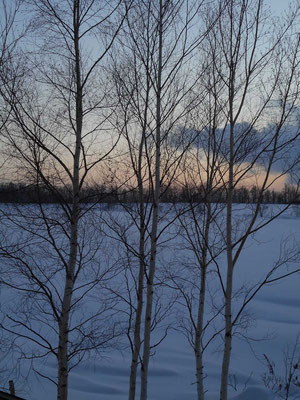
(58, 111)
(157, 89)
(201, 219)
(248, 146)
(10, 36)
(201, 231)
(238, 141)
(284, 387)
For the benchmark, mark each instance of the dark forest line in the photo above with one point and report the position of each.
(21, 193)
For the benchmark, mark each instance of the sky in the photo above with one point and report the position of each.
(277, 6)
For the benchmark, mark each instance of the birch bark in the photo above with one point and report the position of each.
(156, 198)
(62, 354)
(142, 269)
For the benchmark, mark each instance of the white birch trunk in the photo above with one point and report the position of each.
(156, 197)
(142, 265)
(198, 337)
(229, 278)
(201, 307)
(138, 317)
(63, 369)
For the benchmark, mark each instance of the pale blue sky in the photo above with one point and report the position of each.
(278, 5)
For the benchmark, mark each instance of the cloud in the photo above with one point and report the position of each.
(250, 145)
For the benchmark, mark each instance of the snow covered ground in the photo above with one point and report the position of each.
(273, 324)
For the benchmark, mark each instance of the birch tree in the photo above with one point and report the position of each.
(200, 225)
(253, 58)
(247, 142)
(155, 84)
(56, 116)
(9, 39)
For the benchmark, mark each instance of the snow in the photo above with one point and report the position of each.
(273, 322)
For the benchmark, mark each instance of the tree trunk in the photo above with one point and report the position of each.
(156, 198)
(229, 278)
(62, 355)
(142, 265)
(138, 317)
(198, 337)
(201, 307)
(63, 369)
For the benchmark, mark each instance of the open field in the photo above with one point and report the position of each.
(270, 323)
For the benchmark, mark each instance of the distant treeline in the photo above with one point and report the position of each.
(25, 194)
